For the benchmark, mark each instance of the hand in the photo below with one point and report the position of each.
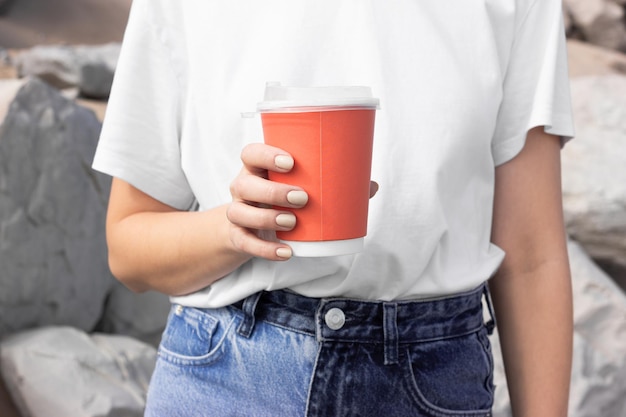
(373, 188)
(253, 219)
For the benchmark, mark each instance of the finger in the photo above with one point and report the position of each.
(246, 241)
(373, 188)
(258, 190)
(259, 157)
(250, 217)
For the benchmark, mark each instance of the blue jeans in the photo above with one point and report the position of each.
(280, 354)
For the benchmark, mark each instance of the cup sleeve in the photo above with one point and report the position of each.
(140, 139)
(536, 83)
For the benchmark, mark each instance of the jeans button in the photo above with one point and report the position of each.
(335, 318)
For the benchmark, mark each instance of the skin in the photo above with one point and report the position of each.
(532, 292)
(154, 246)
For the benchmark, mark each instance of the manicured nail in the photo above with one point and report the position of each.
(283, 162)
(286, 220)
(284, 253)
(297, 198)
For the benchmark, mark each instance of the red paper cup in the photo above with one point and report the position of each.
(329, 132)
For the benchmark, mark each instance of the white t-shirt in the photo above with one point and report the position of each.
(460, 83)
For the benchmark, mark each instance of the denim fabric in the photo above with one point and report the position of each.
(281, 354)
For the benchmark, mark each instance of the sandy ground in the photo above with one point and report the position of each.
(585, 59)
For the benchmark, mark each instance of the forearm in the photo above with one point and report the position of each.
(534, 313)
(173, 252)
(155, 246)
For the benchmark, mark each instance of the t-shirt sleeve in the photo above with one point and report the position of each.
(536, 84)
(140, 139)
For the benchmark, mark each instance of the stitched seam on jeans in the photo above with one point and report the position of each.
(201, 360)
(423, 403)
(312, 381)
(291, 329)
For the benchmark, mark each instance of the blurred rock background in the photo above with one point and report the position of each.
(74, 342)
(26, 23)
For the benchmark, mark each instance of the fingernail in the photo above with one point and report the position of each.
(286, 220)
(297, 198)
(283, 162)
(284, 253)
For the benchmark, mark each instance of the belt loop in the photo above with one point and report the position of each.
(491, 324)
(390, 315)
(249, 306)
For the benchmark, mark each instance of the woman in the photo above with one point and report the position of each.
(474, 110)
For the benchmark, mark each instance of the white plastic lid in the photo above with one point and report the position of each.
(297, 99)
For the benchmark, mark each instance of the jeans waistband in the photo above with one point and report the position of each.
(359, 321)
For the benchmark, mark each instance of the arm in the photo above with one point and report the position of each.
(154, 246)
(532, 290)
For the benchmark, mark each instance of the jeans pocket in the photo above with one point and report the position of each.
(452, 376)
(194, 336)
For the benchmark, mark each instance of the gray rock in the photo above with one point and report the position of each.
(61, 371)
(142, 316)
(57, 65)
(97, 70)
(89, 68)
(600, 21)
(599, 369)
(598, 384)
(96, 79)
(567, 21)
(594, 172)
(52, 209)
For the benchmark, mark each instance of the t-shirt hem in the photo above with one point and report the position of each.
(558, 125)
(148, 182)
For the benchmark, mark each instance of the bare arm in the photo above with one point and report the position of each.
(154, 246)
(532, 290)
